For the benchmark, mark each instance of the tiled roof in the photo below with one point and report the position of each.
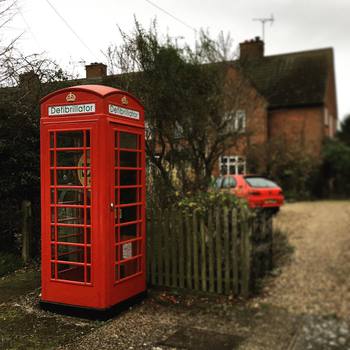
(293, 79)
(284, 80)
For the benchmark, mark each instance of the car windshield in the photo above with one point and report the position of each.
(225, 182)
(229, 182)
(218, 182)
(260, 182)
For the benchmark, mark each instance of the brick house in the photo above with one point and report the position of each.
(293, 99)
(297, 101)
(290, 96)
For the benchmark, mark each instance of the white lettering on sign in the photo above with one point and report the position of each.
(123, 112)
(72, 109)
(127, 250)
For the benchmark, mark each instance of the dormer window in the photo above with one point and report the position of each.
(240, 120)
(236, 120)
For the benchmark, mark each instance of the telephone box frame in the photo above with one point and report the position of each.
(98, 260)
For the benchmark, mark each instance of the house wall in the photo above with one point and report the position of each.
(302, 127)
(256, 127)
(331, 105)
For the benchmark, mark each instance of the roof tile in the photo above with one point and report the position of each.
(291, 79)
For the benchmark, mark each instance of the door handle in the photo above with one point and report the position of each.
(112, 207)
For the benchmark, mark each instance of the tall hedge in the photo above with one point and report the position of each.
(19, 159)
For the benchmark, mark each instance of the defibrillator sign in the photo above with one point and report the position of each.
(123, 112)
(72, 109)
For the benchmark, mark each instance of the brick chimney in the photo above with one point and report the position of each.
(251, 49)
(96, 70)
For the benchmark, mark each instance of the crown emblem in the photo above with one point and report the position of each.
(124, 100)
(71, 97)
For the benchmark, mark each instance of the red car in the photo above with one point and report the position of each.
(259, 191)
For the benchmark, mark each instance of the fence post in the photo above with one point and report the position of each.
(218, 249)
(189, 250)
(160, 227)
(180, 223)
(235, 252)
(167, 245)
(211, 252)
(270, 240)
(226, 251)
(174, 248)
(195, 250)
(203, 254)
(26, 212)
(246, 252)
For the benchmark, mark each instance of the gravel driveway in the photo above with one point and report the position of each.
(305, 305)
(316, 284)
(318, 279)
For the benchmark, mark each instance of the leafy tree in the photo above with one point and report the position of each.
(20, 78)
(300, 175)
(20, 149)
(286, 163)
(344, 133)
(19, 157)
(336, 167)
(190, 98)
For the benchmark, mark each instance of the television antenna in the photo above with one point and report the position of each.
(263, 22)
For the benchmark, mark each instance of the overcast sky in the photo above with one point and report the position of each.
(299, 25)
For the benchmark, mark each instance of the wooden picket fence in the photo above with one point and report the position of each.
(223, 251)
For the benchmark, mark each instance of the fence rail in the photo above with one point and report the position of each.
(224, 251)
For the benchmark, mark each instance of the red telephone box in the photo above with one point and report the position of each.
(92, 197)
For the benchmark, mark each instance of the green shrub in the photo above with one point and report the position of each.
(202, 201)
(336, 168)
(9, 262)
(290, 166)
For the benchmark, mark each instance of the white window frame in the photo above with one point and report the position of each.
(232, 165)
(240, 120)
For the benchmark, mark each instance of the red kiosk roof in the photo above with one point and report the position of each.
(99, 90)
